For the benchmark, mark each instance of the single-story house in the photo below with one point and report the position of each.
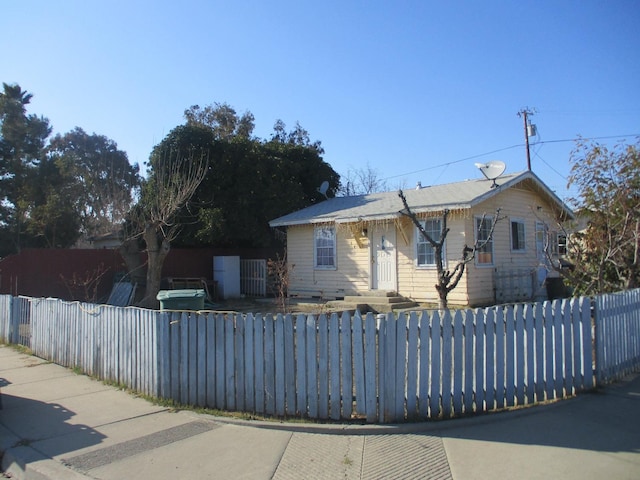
(352, 245)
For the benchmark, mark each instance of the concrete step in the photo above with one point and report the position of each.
(374, 299)
(378, 293)
(383, 303)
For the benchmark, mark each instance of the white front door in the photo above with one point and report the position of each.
(383, 255)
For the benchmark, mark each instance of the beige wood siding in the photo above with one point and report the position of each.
(352, 264)
(419, 283)
(516, 203)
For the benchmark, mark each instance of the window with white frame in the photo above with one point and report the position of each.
(562, 243)
(325, 247)
(425, 253)
(484, 254)
(517, 236)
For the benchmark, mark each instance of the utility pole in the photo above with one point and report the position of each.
(528, 129)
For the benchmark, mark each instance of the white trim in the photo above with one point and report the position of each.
(475, 232)
(315, 248)
(418, 240)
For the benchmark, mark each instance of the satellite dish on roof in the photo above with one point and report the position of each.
(492, 170)
(323, 189)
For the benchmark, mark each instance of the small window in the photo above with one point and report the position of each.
(517, 236)
(425, 253)
(562, 244)
(325, 247)
(484, 254)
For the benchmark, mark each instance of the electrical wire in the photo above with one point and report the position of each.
(433, 167)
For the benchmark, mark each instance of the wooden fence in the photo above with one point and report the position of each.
(383, 368)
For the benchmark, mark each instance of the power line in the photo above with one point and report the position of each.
(454, 162)
(507, 148)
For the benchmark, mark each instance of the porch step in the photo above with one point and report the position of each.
(373, 301)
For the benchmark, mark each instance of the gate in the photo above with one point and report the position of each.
(253, 277)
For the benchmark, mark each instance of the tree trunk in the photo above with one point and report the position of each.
(443, 303)
(130, 252)
(157, 251)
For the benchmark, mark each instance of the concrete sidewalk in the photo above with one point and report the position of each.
(59, 425)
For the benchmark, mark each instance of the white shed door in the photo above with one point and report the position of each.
(384, 259)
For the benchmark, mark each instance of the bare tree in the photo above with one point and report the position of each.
(361, 181)
(449, 279)
(280, 271)
(169, 188)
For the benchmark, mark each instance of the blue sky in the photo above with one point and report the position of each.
(418, 91)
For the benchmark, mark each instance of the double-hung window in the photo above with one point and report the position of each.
(484, 254)
(517, 236)
(325, 247)
(425, 253)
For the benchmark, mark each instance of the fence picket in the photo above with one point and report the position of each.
(425, 358)
(436, 341)
(311, 363)
(220, 361)
(388, 367)
(191, 356)
(371, 393)
(479, 368)
(259, 369)
(530, 363)
(500, 349)
(520, 346)
(279, 365)
(401, 366)
(468, 359)
(358, 364)
(510, 356)
(558, 348)
(289, 368)
(211, 361)
(249, 363)
(175, 356)
(567, 335)
(323, 367)
(334, 367)
(239, 359)
(412, 366)
(269, 366)
(548, 352)
(458, 365)
(346, 365)
(490, 358)
(447, 362)
(301, 369)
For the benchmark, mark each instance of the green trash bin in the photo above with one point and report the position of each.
(188, 299)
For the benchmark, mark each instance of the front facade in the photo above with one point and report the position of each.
(351, 245)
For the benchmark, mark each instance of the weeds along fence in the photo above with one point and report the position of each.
(383, 368)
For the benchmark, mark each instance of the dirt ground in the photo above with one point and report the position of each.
(293, 305)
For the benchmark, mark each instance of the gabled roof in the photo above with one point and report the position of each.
(387, 205)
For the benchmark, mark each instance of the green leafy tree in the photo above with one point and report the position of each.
(22, 140)
(222, 119)
(99, 177)
(252, 181)
(51, 218)
(604, 248)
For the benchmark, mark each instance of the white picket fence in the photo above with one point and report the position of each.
(617, 334)
(379, 368)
